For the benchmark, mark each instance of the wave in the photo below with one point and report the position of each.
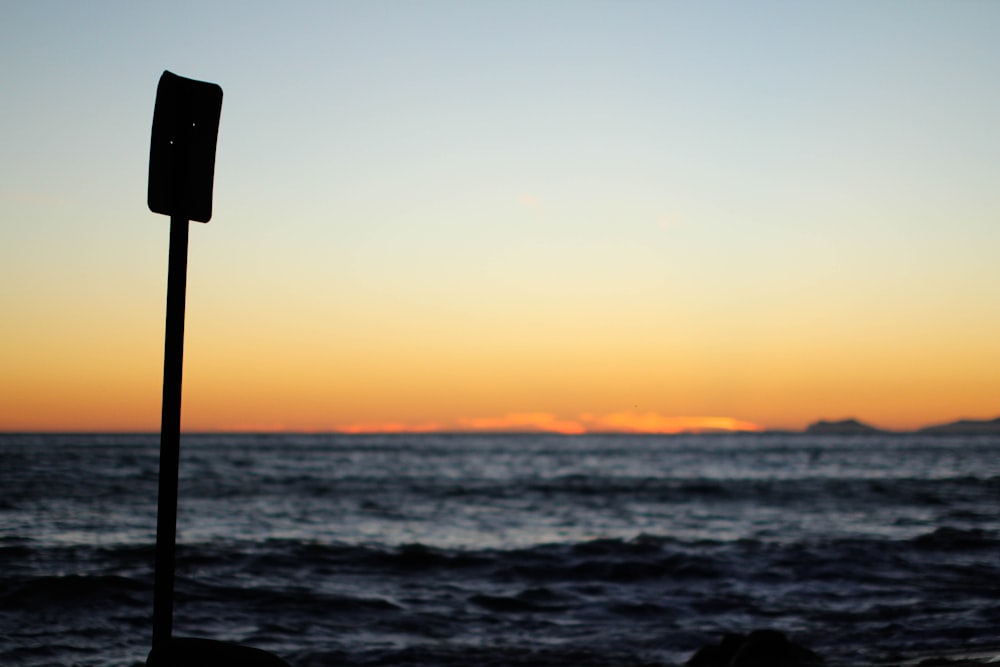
(259, 557)
(956, 539)
(73, 589)
(659, 596)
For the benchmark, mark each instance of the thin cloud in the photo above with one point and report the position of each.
(524, 421)
(528, 201)
(651, 422)
(255, 427)
(33, 199)
(387, 427)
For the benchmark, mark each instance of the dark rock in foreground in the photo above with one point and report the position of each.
(761, 648)
(197, 652)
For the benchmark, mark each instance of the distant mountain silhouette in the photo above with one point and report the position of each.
(843, 427)
(964, 427)
(855, 427)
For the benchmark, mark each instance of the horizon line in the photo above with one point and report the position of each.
(535, 423)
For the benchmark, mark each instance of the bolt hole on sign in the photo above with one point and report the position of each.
(182, 147)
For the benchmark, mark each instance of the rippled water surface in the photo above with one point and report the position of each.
(503, 550)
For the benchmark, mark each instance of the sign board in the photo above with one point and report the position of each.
(182, 147)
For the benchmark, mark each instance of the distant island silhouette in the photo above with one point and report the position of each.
(856, 427)
(843, 427)
(965, 426)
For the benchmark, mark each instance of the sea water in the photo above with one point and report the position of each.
(503, 549)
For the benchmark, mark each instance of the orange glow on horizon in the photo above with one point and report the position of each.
(524, 421)
(545, 422)
(386, 427)
(650, 422)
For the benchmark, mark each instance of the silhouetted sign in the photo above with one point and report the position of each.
(182, 147)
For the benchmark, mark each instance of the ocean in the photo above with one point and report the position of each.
(498, 550)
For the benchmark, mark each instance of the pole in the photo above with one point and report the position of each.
(170, 431)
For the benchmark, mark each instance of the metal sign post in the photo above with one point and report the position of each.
(181, 171)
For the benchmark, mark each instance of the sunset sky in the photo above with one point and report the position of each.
(566, 216)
